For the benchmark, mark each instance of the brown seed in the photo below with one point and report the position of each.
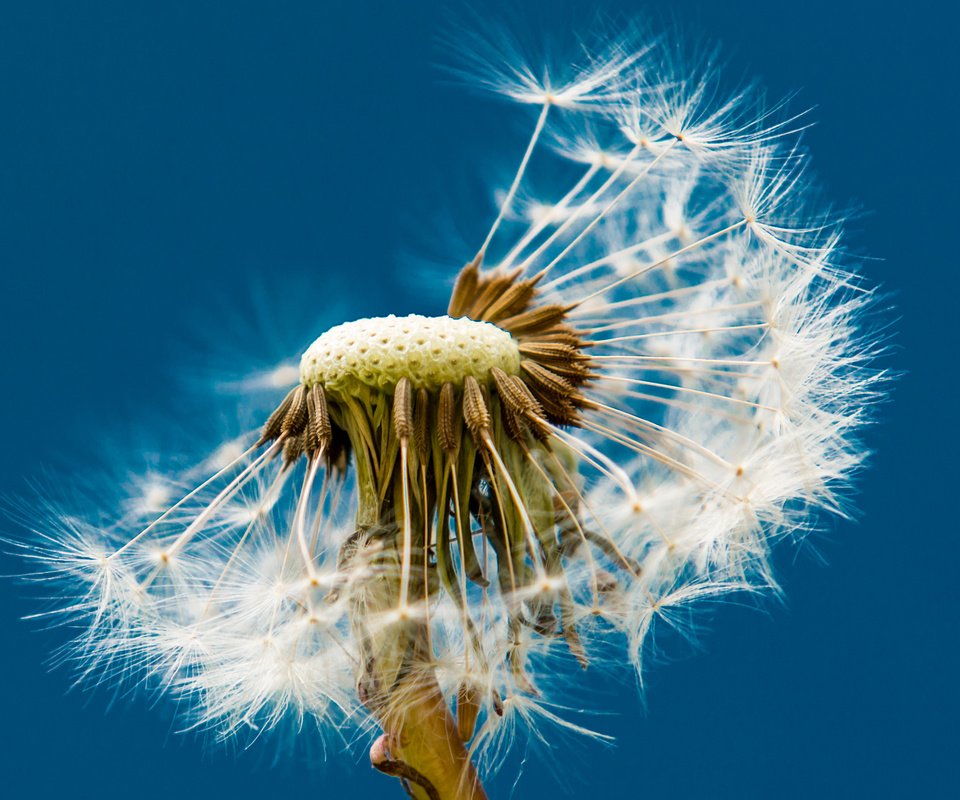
(475, 413)
(271, 430)
(533, 320)
(562, 359)
(511, 396)
(497, 703)
(319, 429)
(513, 422)
(296, 419)
(535, 416)
(551, 351)
(403, 409)
(515, 299)
(561, 334)
(465, 289)
(519, 406)
(557, 396)
(489, 290)
(448, 421)
(547, 381)
(294, 447)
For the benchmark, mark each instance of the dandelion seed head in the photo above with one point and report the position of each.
(431, 351)
(645, 377)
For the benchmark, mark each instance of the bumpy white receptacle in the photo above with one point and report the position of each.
(430, 351)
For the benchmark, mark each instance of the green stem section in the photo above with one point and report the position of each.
(397, 680)
(425, 738)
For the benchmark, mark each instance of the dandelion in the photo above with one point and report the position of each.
(643, 379)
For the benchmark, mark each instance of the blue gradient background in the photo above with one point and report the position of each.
(159, 160)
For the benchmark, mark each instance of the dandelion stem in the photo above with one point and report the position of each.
(427, 742)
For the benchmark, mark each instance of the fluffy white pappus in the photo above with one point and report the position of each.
(222, 619)
(730, 346)
(594, 70)
(715, 363)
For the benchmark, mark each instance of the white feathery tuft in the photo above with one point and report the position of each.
(732, 373)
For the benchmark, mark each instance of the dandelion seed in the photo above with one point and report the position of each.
(637, 387)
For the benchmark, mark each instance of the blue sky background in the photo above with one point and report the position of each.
(161, 161)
